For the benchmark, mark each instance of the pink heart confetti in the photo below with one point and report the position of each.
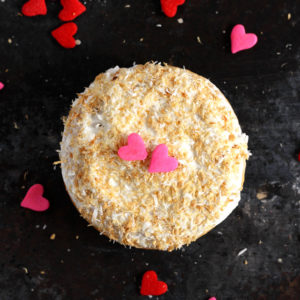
(212, 298)
(135, 149)
(161, 162)
(1, 85)
(34, 199)
(240, 40)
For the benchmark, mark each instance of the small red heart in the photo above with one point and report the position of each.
(34, 8)
(64, 35)
(151, 286)
(169, 7)
(71, 10)
(135, 149)
(34, 199)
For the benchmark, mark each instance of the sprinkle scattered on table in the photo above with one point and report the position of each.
(64, 35)
(52, 236)
(240, 40)
(242, 252)
(34, 8)
(169, 7)
(199, 40)
(151, 286)
(71, 10)
(34, 199)
(1, 85)
(261, 195)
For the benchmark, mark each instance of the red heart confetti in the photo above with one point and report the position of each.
(34, 8)
(299, 156)
(161, 162)
(135, 150)
(71, 10)
(169, 7)
(64, 35)
(240, 40)
(151, 286)
(34, 199)
(1, 85)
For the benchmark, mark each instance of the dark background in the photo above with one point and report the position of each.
(41, 80)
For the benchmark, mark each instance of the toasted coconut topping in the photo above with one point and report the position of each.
(164, 105)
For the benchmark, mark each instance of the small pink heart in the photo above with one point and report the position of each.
(34, 199)
(135, 150)
(240, 40)
(1, 85)
(161, 162)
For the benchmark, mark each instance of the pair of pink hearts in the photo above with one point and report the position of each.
(34, 199)
(136, 150)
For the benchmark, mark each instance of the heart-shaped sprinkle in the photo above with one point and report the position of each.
(161, 162)
(34, 8)
(34, 199)
(151, 286)
(1, 85)
(240, 40)
(169, 7)
(212, 298)
(135, 149)
(71, 10)
(64, 35)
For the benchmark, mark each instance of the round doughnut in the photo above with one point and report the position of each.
(164, 105)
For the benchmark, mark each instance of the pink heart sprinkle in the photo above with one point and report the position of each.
(34, 199)
(1, 85)
(212, 298)
(161, 162)
(135, 149)
(240, 40)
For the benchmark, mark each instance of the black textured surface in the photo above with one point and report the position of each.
(262, 85)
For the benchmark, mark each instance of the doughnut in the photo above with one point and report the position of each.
(166, 105)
